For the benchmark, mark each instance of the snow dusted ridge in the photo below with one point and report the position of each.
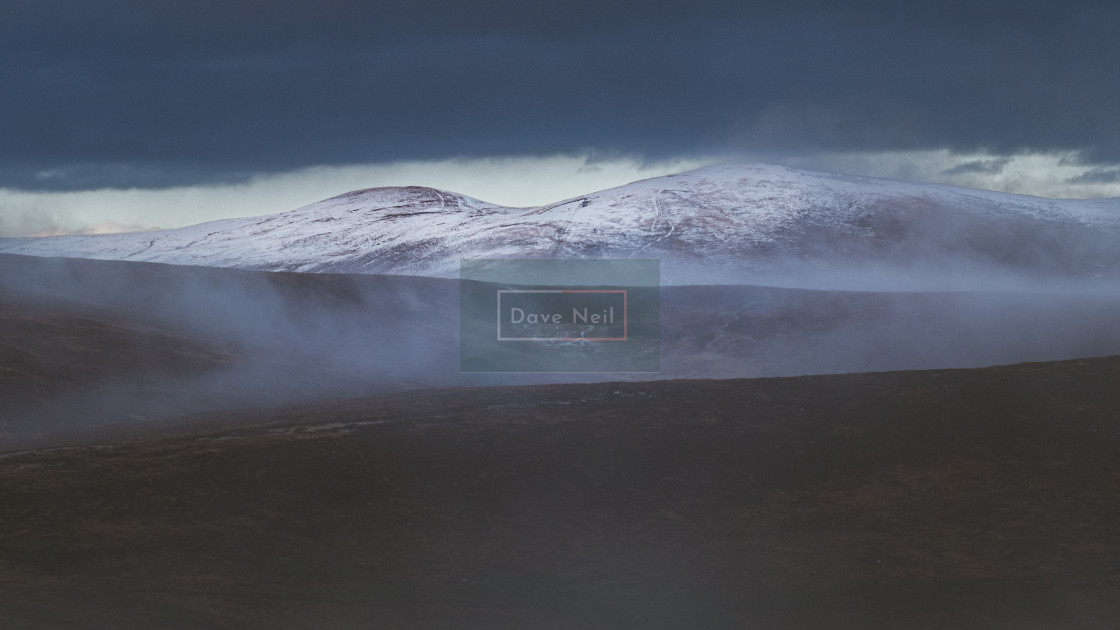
(743, 219)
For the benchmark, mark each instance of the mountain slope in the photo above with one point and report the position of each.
(747, 219)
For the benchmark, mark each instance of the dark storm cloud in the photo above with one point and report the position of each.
(150, 94)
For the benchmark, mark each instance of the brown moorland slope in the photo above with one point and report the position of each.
(981, 498)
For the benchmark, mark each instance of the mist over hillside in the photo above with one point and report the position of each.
(766, 271)
(86, 344)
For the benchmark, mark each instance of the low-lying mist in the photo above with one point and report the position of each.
(86, 345)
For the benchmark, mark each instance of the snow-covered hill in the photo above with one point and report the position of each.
(731, 222)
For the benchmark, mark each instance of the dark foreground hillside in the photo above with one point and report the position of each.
(985, 498)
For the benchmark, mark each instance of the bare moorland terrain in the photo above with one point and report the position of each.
(982, 498)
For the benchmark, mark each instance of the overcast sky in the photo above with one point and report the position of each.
(140, 114)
